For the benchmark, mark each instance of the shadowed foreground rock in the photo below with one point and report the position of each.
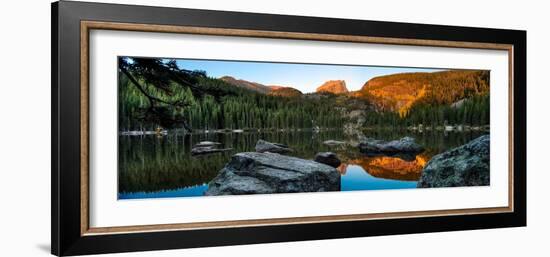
(467, 165)
(266, 173)
(263, 146)
(328, 158)
(403, 145)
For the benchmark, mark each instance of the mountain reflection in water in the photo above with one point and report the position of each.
(390, 167)
(153, 167)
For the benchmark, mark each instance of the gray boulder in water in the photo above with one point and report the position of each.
(403, 145)
(333, 142)
(266, 173)
(328, 158)
(263, 146)
(208, 150)
(466, 165)
(207, 144)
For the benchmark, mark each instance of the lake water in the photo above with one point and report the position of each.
(154, 167)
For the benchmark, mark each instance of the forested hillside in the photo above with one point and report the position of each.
(473, 111)
(401, 92)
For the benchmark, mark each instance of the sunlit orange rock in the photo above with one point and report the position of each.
(334, 87)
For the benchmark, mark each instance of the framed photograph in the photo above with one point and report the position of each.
(178, 128)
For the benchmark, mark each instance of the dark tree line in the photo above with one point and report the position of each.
(156, 86)
(154, 94)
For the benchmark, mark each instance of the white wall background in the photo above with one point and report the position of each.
(25, 127)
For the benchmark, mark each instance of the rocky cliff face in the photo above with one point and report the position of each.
(267, 173)
(333, 87)
(467, 165)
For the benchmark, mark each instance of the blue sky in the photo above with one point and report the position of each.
(304, 77)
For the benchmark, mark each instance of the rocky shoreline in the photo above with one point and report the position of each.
(269, 170)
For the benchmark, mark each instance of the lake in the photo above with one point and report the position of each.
(152, 166)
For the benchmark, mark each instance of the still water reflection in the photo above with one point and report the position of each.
(156, 167)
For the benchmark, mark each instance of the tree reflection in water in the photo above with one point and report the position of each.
(152, 166)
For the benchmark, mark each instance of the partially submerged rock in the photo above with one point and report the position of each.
(143, 133)
(333, 142)
(207, 143)
(264, 173)
(208, 150)
(328, 158)
(403, 145)
(208, 147)
(263, 146)
(467, 165)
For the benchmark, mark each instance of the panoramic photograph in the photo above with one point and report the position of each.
(193, 128)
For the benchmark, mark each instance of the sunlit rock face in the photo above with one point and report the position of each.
(390, 167)
(333, 87)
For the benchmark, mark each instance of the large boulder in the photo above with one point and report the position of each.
(467, 165)
(403, 145)
(266, 173)
(328, 158)
(263, 146)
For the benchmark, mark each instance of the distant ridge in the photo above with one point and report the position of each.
(275, 87)
(273, 90)
(285, 91)
(247, 84)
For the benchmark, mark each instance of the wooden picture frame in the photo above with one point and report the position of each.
(71, 25)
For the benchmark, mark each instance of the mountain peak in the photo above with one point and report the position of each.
(334, 87)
